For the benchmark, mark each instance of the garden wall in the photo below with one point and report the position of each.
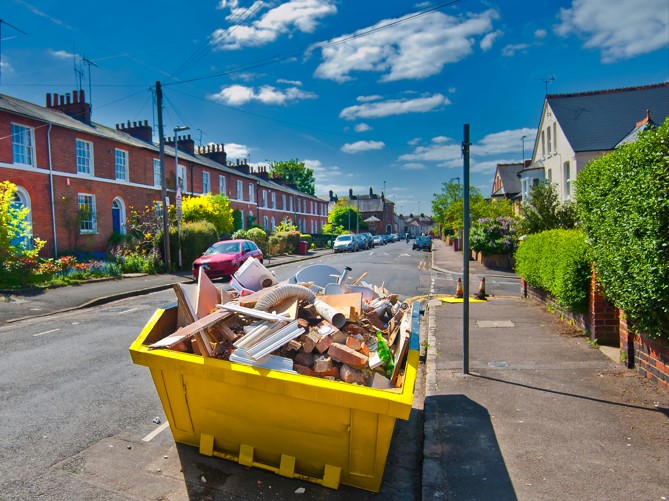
(649, 356)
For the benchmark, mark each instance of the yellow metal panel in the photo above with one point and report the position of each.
(287, 467)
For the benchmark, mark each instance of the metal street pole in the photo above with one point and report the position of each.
(163, 182)
(178, 129)
(465, 257)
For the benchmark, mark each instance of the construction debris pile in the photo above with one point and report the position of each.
(316, 323)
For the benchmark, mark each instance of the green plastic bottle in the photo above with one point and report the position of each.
(384, 353)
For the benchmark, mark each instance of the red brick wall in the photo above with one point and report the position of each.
(604, 323)
(649, 356)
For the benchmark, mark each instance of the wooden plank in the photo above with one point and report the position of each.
(399, 360)
(188, 331)
(348, 304)
(186, 311)
(207, 296)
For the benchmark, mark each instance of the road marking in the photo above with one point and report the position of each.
(156, 432)
(127, 311)
(45, 332)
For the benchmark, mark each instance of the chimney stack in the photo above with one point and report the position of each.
(74, 105)
(138, 130)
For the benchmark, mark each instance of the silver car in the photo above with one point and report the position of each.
(345, 243)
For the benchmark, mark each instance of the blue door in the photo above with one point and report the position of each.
(116, 217)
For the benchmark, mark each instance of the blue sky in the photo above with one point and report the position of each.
(367, 93)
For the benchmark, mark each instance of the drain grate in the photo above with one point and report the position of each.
(489, 324)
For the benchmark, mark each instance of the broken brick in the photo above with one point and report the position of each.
(344, 354)
(310, 341)
(353, 343)
(306, 359)
(323, 345)
(301, 369)
(349, 374)
(322, 364)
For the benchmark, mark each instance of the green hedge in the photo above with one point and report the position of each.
(623, 203)
(557, 261)
(195, 239)
(307, 238)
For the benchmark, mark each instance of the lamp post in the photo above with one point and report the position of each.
(178, 129)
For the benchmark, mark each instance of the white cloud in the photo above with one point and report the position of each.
(60, 54)
(508, 141)
(441, 139)
(362, 127)
(240, 94)
(360, 146)
(620, 29)
(5, 67)
(394, 107)
(434, 153)
(489, 39)
(415, 49)
(366, 99)
(511, 49)
(413, 166)
(234, 150)
(540, 33)
(284, 19)
(289, 82)
(414, 141)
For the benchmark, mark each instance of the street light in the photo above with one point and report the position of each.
(178, 129)
(523, 140)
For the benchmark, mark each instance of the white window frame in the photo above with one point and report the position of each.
(87, 200)
(243, 220)
(273, 224)
(157, 174)
(543, 143)
(273, 198)
(283, 202)
(24, 148)
(222, 186)
(240, 192)
(182, 178)
(84, 154)
(265, 223)
(566, 173)
(121, 167)
(251, 193)
(206, 183)
(549, 138)
(291, 204)
(264, 198)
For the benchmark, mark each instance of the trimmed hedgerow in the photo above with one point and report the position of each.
(558, 262)
(623, 204)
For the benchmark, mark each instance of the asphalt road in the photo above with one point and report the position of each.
(78, 416)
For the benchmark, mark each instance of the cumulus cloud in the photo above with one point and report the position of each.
(620, 29)
(441, 139)
(508, 141)
(362, 127)
(489, 39)
(284, 19)
(540, 33)
(511, 49)
(297, 83)
(360, 146)
(413, 166)
(234, 150)
(394, 107)
(61, 54)
(411, 50)
(366, 99)
(238, 95)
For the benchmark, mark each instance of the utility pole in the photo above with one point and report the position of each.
(465, 256)
(163, 177)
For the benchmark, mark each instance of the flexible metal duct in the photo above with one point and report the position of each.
(283, 292)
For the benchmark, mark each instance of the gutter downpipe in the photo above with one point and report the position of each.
(53, 203)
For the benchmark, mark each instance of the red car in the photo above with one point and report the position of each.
(224, 258)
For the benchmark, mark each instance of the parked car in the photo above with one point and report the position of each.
(387, 238)
(422, 242)
(370, 239)
(344, 243)
(224, 258)
(378, 240)
(362, 241)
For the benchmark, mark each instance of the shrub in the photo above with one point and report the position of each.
(284, 242)
(494, 236)
(623, 203)
(259, 236)
(239, 234)
(557, 261)
(195, 239)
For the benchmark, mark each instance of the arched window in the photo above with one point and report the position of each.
(21, 200)
(118, 216)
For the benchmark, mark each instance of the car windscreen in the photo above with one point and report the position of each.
(342, 238)
(223, 248)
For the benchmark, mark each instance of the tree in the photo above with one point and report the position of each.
(346, 216)
(213, 208)
(543, 211)
(295, 172)
(14, 227)
(448, 206)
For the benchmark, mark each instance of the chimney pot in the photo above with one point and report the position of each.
(48, 100)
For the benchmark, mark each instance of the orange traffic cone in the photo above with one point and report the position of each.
(458, 290)
(481, 293)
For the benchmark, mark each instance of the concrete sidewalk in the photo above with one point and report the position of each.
(541, 414)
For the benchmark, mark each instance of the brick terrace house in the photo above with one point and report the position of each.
(372, 205)
(79, 178)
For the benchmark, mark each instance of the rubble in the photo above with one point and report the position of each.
(329, 328)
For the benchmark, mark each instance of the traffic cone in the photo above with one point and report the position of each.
(481, 293)
(458, 290)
